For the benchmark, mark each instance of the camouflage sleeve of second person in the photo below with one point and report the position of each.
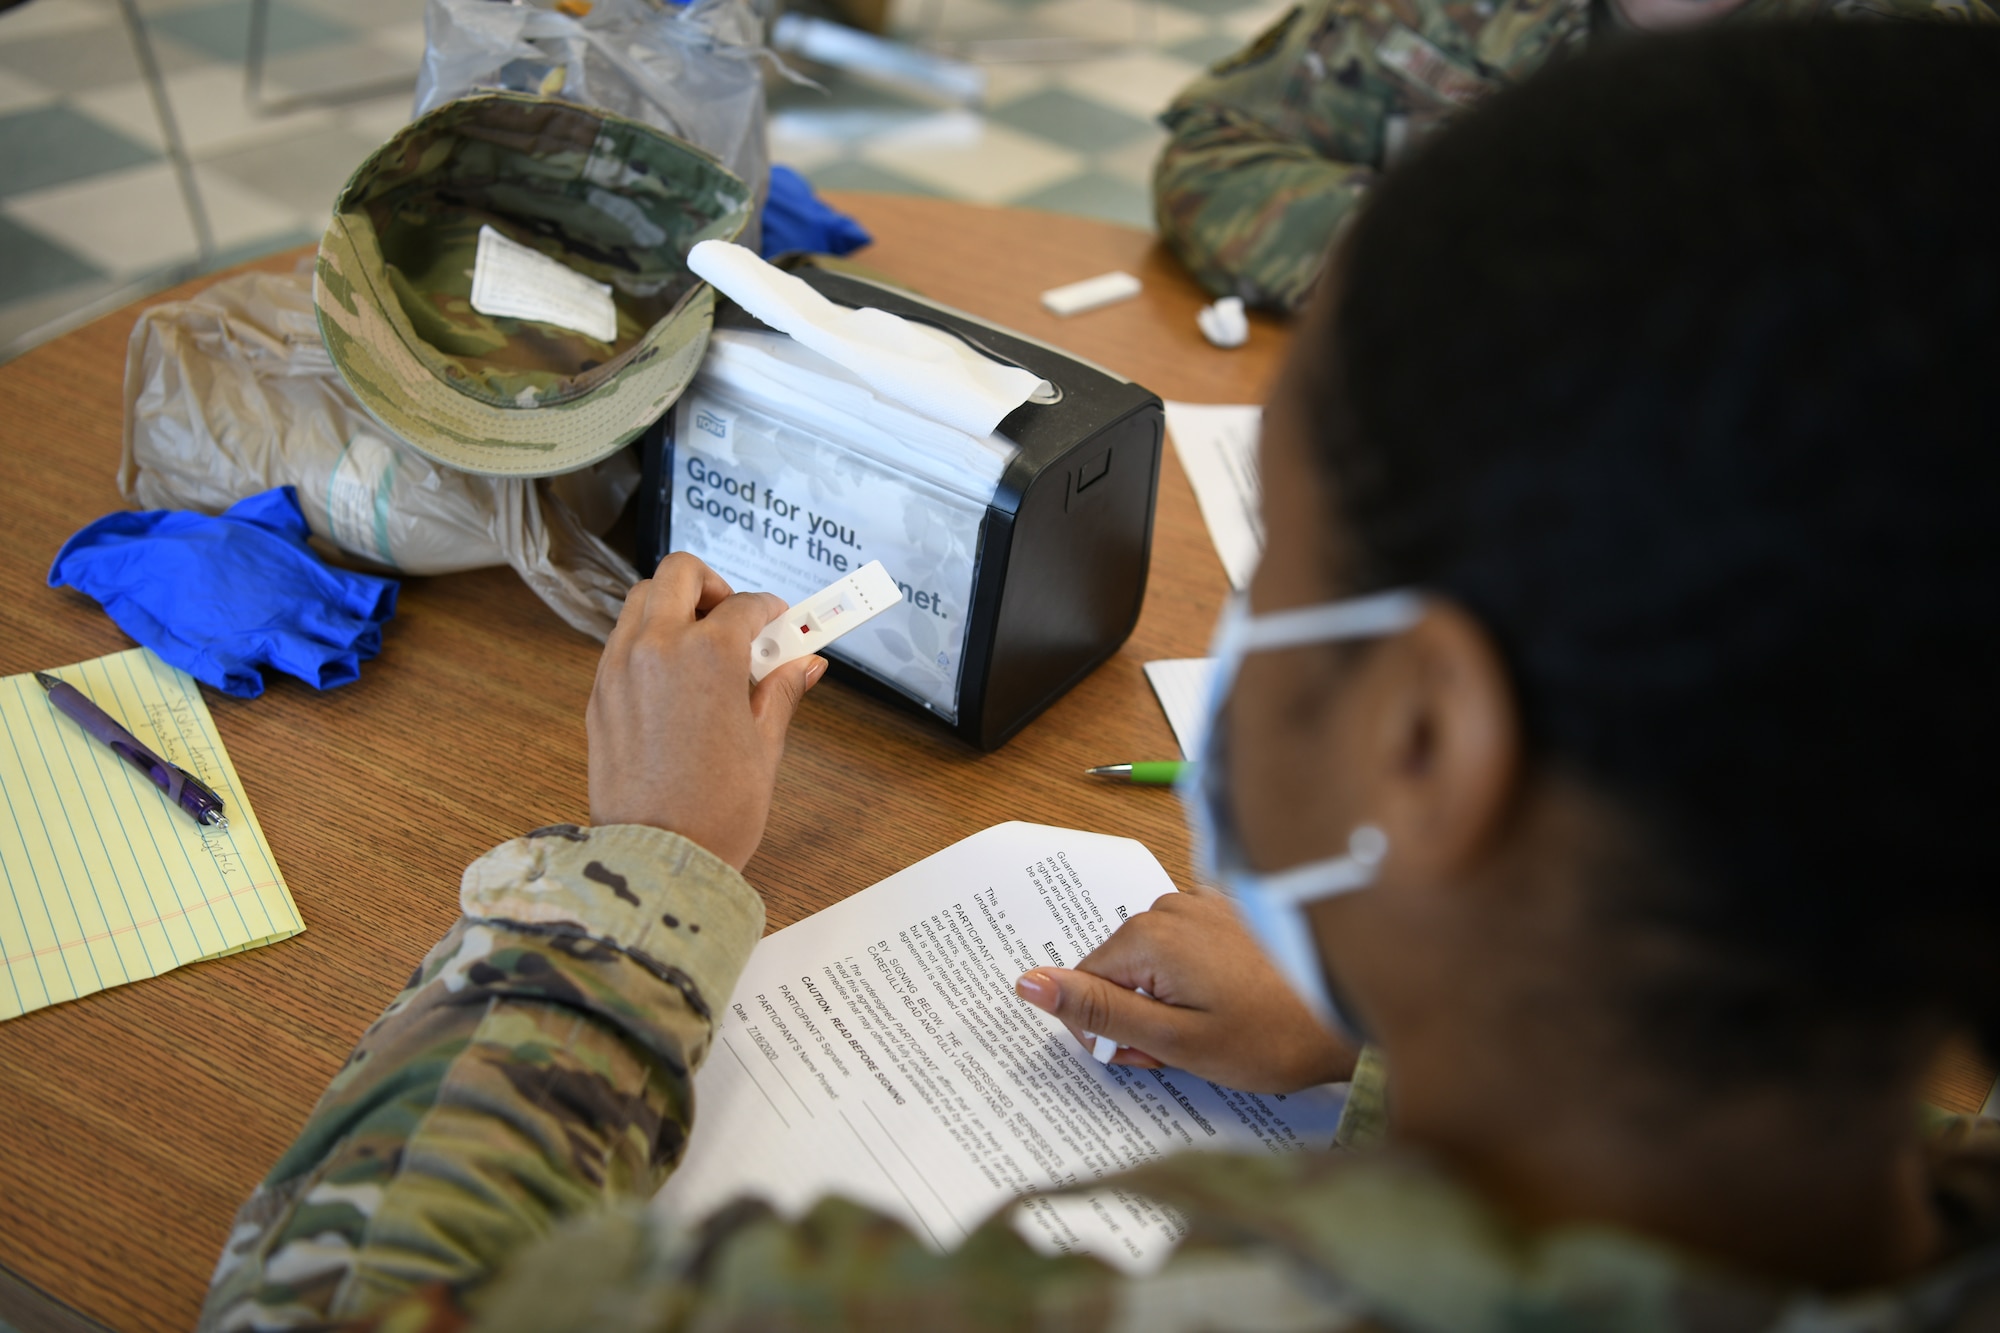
(1255, 178)
(1272, 149)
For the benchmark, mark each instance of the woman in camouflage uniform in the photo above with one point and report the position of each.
(1667, 383)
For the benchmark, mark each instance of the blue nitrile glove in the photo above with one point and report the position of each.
(220, 597)
(797, 219)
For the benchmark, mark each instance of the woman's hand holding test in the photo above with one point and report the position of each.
(679, 738)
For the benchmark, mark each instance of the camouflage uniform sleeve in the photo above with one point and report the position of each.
(842, 1266)
(1271, 152)
(537, 1066)
(1943, 11)
(1261, 167)
(1330, 1242)
(1364, 1120)
(623, 1270)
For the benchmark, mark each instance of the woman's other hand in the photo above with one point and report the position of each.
(1214, 1005)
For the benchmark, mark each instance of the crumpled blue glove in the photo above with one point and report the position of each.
(797, 219)
(220, 597)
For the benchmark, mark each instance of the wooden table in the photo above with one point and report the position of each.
(132, 1122)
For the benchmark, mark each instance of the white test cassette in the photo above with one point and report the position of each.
(846, 604)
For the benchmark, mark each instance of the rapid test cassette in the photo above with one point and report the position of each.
(823, 617)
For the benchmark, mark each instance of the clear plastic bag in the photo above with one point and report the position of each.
(231, 393)
(693, 71)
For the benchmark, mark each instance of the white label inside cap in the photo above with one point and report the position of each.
(510, 279)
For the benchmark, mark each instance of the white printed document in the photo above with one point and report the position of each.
(1217, 446)
(877, 1051)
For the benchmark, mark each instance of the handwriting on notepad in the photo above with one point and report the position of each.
(171, 723)
(222, 851)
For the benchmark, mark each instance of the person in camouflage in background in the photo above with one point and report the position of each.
(1704, 667)
(1271, 150)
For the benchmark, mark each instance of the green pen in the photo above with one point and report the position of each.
(1158, 773)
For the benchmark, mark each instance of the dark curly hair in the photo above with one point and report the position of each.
(1679, 367)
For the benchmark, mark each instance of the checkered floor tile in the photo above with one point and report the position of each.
(1067, 123)
(89, 205)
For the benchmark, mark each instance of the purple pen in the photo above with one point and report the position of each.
(183, 788)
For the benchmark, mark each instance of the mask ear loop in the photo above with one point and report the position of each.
(1376, 616)
(1274, 912)
(1272, 907)
(1367, 846)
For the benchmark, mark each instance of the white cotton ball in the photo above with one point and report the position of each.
(1224, 323)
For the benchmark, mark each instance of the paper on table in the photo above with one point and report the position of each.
(1217, 446)
(922, 368)
(1181, 683)
(877, 1051)
(102, 880)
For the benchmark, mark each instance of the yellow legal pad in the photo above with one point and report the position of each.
(102, 879)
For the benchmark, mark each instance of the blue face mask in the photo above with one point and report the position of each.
(1273, 906)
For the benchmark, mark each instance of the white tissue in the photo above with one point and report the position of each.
(806, 391)
(1224, 323)
(925, 369)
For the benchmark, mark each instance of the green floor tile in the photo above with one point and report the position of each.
(366, 13)
(1075, 122)
(303, 172)
(1094, 195)
(1214, 8)
(87, 59)
(223, 30)
(1206, 49)
(31, 265)
(53, 145)
(852, 175)
(263, 245)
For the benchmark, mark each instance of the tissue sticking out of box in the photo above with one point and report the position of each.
(925, 369)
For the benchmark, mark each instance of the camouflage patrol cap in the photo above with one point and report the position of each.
(615, 200)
